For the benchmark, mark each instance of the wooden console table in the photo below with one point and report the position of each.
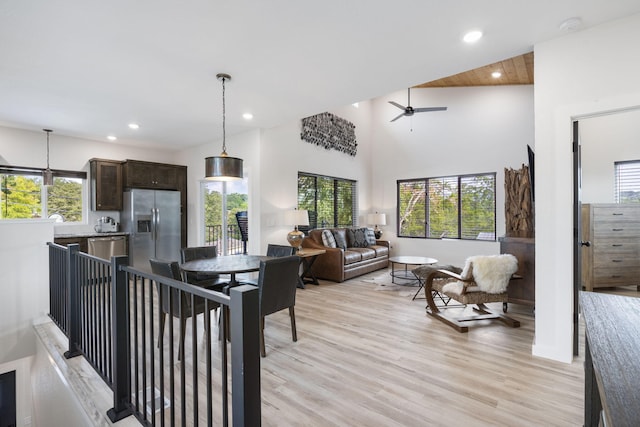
(612, 368)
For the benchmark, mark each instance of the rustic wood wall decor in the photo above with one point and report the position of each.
(331, 132)
(518, 207)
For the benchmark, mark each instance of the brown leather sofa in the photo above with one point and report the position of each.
(339, 264)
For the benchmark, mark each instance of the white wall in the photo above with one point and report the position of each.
(581, 74)
(605, 140)
(485, 129)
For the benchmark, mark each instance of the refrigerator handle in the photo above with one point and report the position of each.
(154, 224)
(157, 222)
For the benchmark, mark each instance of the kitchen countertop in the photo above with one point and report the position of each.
(89, 234)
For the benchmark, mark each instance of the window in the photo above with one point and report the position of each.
(627, 186)
(331, 202)
(457, 207)
(22, 194)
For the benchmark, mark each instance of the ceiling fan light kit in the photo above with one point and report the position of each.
(410, 111)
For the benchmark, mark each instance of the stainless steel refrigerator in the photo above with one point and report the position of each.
(152, 219)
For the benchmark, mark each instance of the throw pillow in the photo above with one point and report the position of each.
(357, 237)
(327, 239)
(370, 236)
(340, 240)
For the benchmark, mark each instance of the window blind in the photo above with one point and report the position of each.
(627, 182)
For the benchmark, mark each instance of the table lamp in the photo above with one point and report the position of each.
(296, 217)
(377, 219)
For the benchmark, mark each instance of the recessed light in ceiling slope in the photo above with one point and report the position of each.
(472, 36)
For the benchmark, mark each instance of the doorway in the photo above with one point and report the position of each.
(221, 201)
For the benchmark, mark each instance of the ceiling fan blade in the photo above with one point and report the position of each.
(425, 109)
(397, 105)
(402, 114)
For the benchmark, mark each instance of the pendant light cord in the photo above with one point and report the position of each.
(224, 115)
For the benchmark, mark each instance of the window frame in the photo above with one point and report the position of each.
(618, 179)
(337, 182)
(44, 194)
(459, 205)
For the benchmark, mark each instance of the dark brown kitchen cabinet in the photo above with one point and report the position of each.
(106, 185)
(157, 176)
(82, 241)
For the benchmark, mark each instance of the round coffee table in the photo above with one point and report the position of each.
(407, 261)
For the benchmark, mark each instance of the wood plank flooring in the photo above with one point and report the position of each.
(371, 357)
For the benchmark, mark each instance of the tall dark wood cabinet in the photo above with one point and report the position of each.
(521, 291)
(106, 185)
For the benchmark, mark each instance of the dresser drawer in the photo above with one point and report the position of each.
(616, 276)
(615, 213)
(616, 229)
(621, 245)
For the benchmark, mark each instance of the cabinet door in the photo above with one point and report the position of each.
(106, 185)
(82, 241)
(150, 175)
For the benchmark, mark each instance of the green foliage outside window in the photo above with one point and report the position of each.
(330, 201)
(458, 207)
(21, 197)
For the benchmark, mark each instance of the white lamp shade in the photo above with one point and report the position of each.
(296, 217)
(377, 219)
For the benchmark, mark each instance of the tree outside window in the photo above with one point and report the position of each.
(457, 207)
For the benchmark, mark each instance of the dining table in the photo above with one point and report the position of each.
(226, 264)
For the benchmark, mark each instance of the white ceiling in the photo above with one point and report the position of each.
(87, 68)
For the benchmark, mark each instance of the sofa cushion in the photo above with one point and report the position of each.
(380, 250)
(341, 240)
(357, 238)
(328, 239)
(351, 256)
(365, 253)
(370, 236)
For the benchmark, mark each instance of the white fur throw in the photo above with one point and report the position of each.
(490, 272)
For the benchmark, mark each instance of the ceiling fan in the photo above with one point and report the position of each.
(409, 110)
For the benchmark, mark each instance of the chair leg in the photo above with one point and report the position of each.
(292, 315)
(163, 319)
(183, 331)
(263, 351)
(499, 316)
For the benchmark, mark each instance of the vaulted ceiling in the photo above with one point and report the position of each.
(87, 68)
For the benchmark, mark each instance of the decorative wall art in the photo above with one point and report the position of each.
(331, 132)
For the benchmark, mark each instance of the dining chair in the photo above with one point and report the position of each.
(280, 250)
(179, 305)
(205, 280)
(277, 282)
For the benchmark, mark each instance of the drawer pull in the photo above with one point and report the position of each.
(616, 260)
(617, 214)
(615, 276)
(616, 245)
(618, 229)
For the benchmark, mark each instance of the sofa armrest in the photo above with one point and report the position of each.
(329, 265)
(386, 243)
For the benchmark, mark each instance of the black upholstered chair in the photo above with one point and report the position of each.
(277, 283)
(201, 279)
(177, 305)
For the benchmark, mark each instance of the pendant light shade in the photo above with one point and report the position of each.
(223, 167)
(47, 174)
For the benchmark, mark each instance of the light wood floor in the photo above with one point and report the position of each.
(370, 357)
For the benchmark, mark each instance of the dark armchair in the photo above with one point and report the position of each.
(243, 225)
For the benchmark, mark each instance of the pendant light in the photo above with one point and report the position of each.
(47, 174)
(223, 167)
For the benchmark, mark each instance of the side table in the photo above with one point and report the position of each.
(307, 258)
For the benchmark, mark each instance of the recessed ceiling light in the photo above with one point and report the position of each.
(111, 138)
(571, 24)
(496, 74)
(472, 36)
(134, 126)
(355, 104)
(247, 116)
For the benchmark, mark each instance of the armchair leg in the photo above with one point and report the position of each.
(499, 316)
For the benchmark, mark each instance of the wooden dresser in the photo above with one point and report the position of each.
(613, 258)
